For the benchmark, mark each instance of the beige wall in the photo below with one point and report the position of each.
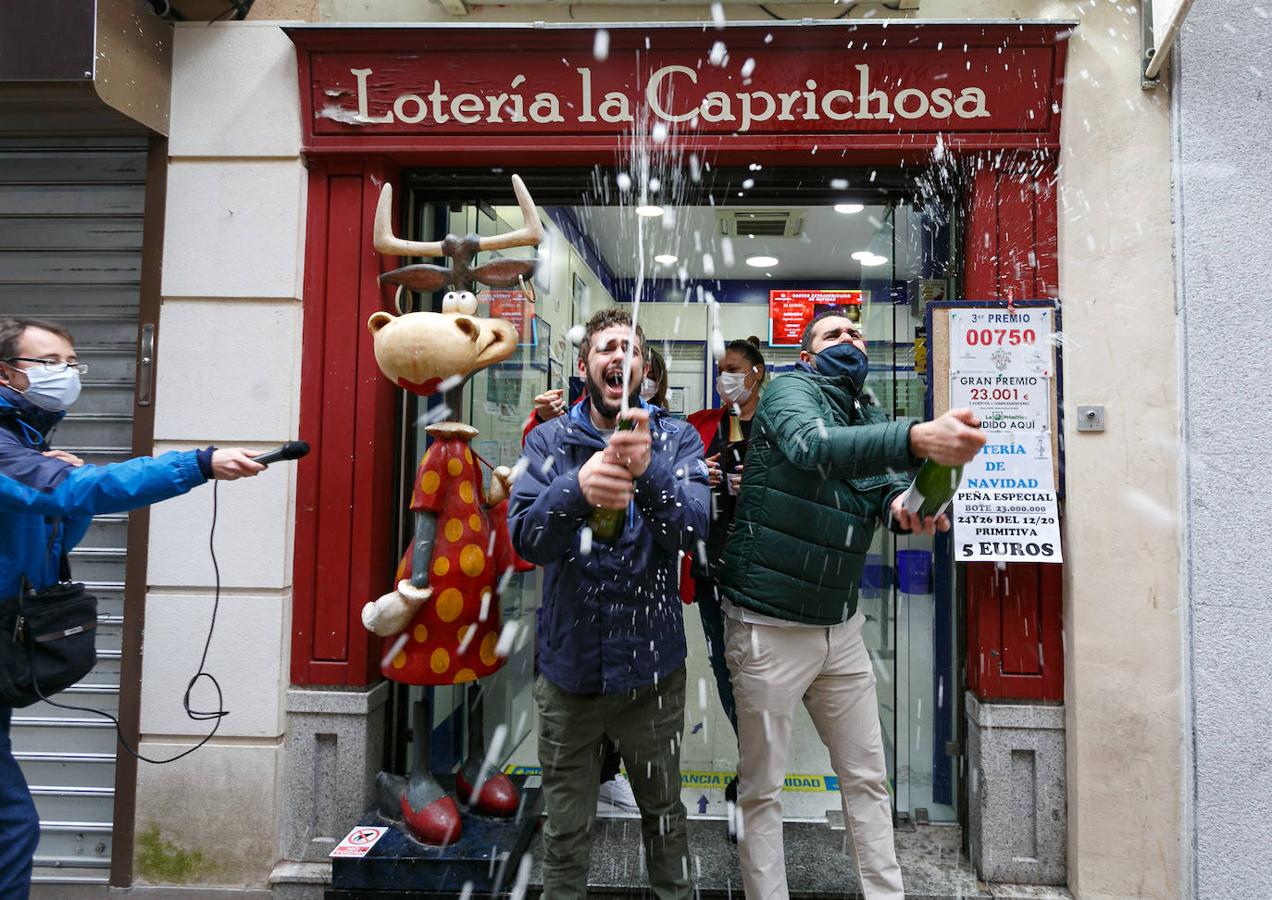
(1122, 593)
(1122, 629)
(228, 374)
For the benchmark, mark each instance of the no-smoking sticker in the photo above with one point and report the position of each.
(358, 841)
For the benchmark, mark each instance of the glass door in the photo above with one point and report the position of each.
(717, 267)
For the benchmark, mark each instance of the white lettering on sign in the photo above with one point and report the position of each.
(663, 93)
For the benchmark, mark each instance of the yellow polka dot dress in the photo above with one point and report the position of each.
(452, 638)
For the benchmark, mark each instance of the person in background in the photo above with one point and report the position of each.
(821, 473)
(653, 387)
(724, 432)
(607, 511)
(47, 501)
(615, 789)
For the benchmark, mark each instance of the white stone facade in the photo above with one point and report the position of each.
(229, 364)
(228, 373)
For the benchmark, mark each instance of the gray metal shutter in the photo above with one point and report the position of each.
(70, 251)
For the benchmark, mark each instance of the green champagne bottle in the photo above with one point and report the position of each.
(933, 489)
(607, 524)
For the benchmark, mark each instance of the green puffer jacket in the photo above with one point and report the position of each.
(821, 471)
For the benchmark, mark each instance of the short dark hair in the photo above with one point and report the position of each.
(833, 312)
(607, 318)
(11, 331)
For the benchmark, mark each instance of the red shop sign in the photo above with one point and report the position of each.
(858, 84)
(791, 311)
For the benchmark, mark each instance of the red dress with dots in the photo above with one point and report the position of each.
(452, 638)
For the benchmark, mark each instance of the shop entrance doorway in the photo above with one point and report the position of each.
(701, 257)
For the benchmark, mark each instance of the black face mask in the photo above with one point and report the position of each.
(843, 361)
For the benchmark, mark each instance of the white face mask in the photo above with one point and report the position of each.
(732, 387)
(54, 391)
(647, 389)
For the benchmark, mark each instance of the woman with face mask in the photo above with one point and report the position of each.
(653, 387)
(724, 432)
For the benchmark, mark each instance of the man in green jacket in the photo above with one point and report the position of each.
(823, 468)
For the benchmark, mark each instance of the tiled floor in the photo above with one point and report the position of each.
(817, 866)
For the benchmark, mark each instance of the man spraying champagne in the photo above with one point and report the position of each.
(610, 629)
(821, 473)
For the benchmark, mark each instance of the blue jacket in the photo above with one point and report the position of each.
(46, 504)
(610, 620)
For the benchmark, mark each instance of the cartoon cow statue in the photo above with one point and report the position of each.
(441, 624)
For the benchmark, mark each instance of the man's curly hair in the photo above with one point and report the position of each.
(606, 318)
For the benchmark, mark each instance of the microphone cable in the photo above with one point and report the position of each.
(195, 715)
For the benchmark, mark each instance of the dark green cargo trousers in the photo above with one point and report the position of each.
(646, 725)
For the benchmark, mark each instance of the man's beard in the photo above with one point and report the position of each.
(595, 393)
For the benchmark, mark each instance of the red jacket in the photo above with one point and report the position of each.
(707, 421)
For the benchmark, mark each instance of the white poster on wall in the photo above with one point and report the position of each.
(1000, 367)
(990, 341)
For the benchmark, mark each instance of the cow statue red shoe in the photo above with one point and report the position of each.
(441, 625)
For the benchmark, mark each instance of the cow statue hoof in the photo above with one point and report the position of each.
(497, 797)
(430, 814)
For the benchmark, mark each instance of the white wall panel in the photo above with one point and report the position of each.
(234, 92)
(246, 658)
(228, 372)
(218, 808)
(234, 229)
(253, 532)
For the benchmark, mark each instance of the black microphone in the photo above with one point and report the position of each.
(289, 450)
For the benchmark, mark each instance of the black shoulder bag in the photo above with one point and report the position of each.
(47, 639)
(47, 644)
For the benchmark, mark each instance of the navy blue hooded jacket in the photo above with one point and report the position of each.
(611, 619)
(46, 504)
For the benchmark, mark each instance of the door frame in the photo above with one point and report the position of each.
(123, 828)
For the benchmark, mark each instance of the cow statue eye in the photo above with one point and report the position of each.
(450, 302)
(466, 302)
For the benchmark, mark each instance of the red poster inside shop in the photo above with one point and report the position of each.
(791, 311)
(513, 307)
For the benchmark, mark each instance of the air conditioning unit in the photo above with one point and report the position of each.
(768, 223)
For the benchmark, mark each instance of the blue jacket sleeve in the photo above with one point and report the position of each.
(547, 508)
(90, 490)
(673, 497)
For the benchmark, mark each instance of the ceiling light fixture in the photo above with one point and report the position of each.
(649, 212)
(872, 260)
(665, 259)
(848, 208)
(761, 262)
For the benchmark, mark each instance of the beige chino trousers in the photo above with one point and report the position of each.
(773, 668)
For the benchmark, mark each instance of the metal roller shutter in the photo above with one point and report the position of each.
(70, 251)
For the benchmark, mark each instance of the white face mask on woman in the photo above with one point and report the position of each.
(732, 387)
(54, 391)
(647, 389)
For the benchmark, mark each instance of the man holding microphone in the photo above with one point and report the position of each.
(47, 501)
